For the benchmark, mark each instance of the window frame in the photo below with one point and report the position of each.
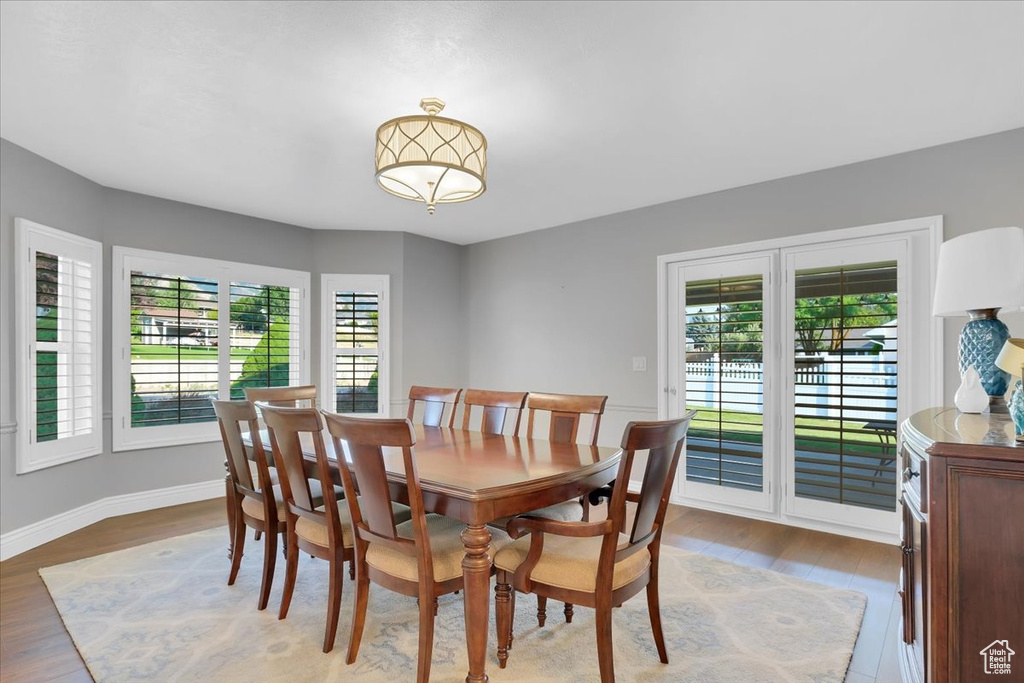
(125, 260)
(29, 238)
(330, 284)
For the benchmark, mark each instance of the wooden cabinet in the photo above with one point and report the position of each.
(962, 580)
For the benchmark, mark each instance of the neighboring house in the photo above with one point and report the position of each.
(189, 327)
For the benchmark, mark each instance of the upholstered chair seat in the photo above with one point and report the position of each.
(314, 532)
(569, 511)
(446, 547)
(572, 563)
(254, 508)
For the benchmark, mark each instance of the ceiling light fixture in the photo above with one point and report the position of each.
(431, 159)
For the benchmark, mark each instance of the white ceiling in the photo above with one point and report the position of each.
(269, 109)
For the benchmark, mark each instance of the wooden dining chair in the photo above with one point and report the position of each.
(594, 563)
(566, 415)
(495, 408)
(435, 401)
(322, 527)
(255, 504)
(283, 397)
(421, 557)
(287, 397)
(567, 411)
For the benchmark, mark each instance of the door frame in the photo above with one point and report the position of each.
(923, 235)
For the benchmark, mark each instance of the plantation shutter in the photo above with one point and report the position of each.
(845, 384)
(65, 389)
(725, 381)
(174, 355)
(356, 351)
(58, 342)
(265, 336)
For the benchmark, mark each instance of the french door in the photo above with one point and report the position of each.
(724, 334)
(796, 360)
(841, 313)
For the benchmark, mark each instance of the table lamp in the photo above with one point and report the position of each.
(1011, 359)
(978, 274)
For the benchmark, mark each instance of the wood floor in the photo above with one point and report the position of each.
(34, 647)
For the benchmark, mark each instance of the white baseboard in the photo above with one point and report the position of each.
(27, 537)
(892, 538)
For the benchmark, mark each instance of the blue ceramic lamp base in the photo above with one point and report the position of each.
(1016, 408)
(980, 342)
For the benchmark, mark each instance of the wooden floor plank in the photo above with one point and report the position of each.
(877, 576)
(36, 647)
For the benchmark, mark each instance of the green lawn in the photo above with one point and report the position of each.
(748, 427)
(161, 352)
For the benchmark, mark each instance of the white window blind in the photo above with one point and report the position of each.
(266, 336)
(58, 320)
(174, 351)
(355, 324)
(845, 384)
(188, 330)
(725, 381)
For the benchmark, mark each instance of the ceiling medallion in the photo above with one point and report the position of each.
(431, 159)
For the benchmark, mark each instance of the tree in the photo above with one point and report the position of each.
(823, 324)
(253, 313)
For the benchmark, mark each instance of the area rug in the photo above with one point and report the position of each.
(163, 612)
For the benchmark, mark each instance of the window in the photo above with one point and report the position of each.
(798, 411)
(188, 330)
(354, 362)
(58, 314)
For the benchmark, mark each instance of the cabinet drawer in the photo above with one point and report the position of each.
(913, 478)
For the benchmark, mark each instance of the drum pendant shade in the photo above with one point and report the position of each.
(431, 159)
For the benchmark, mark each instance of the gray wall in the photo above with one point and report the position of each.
(562, 309)
(565, 309)
(34, 188)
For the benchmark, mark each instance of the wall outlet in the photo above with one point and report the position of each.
(639, 363)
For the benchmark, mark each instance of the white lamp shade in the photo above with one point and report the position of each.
(979, 270)
(1011, 357)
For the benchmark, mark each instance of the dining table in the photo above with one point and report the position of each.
(479, 478)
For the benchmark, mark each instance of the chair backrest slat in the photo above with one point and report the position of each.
(663, 441)
(231, 415)
(283, 397)
(566, 411)
(362, 441)
(286, 426)
(495, 407)
(435, 400)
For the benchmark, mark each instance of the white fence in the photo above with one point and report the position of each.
(870, 382)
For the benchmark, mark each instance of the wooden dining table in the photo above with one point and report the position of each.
(478, 478)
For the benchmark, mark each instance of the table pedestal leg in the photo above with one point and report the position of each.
(476, 574)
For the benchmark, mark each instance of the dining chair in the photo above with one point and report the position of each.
(255, 504)
(566, 414)
(421, 557)
(435, 401)
(594, 563)
(321, 527)
(495, 408)
(283, 397)
(288, 397)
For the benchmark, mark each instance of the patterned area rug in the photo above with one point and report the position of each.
(163, 612)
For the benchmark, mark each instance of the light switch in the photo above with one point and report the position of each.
(639, 363)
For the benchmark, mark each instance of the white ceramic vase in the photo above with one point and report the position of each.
(971, 397)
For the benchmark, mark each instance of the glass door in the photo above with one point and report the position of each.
(721, 321)
(843, 311)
